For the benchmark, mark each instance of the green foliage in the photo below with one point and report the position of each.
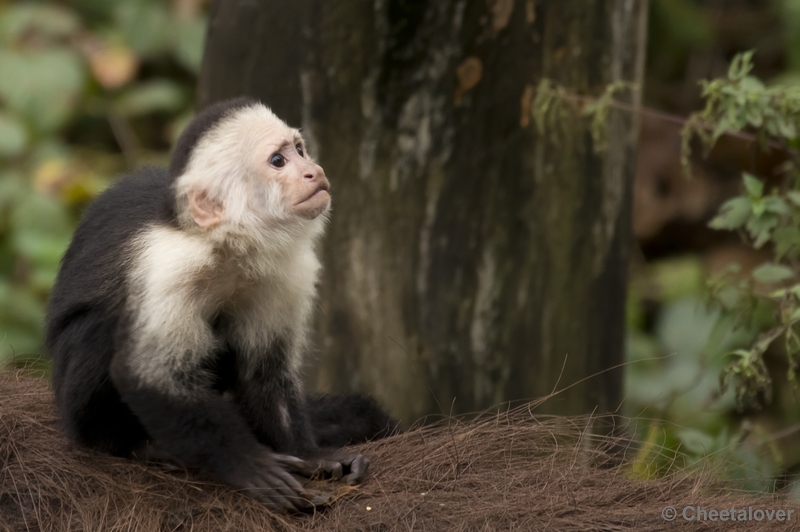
(666, 447)
(764, 218)
(556, 111)
(672, 389)
(714, 356)
(552, 112)
(741, 101)
(599, 111)
(672, 380)
(82, 84)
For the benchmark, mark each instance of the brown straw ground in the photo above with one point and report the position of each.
(510, 471)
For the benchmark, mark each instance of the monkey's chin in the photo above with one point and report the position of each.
(313, 206)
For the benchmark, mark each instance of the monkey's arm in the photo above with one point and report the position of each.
(271, 403)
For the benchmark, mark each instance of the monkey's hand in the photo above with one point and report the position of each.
(351, 468)
(267, 477)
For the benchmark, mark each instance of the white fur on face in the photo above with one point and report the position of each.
(230, 163)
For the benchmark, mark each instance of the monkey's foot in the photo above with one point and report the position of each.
(350, 468)
(269, 478)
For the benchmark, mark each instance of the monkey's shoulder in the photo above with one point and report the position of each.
(121, 212)
(136, 199)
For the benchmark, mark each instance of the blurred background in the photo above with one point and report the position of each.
(92, 88)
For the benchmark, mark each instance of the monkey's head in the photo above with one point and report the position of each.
(239, 168)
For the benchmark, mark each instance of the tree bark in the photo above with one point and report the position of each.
(469, 260)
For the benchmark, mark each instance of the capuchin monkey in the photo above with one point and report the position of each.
(180, 315)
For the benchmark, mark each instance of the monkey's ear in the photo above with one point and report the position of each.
(205, 210)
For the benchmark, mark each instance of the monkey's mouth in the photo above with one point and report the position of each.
(315, 203)
(323, 187)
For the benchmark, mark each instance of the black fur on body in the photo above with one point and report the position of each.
(223, 416)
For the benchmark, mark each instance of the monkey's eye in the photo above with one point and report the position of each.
(277, 160)
(299, 149)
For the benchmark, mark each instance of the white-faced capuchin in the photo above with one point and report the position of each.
(179, 317)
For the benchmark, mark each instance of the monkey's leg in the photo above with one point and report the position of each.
(90, 408)
(345, 419)
(201, 430)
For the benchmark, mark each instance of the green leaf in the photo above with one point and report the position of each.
(777, 205)
(759, 207)
(761, 238)
(740, 65)
(43, 85)
(50, 20)
(760, 228)
(752, 84)
(733, 214)
(772, 273)
(780, 293)
(753, 185)
(786, 238)
(723, 126)
(794, 196)
(754, 118)
(13, 135)
(741, 353)
(150, 97)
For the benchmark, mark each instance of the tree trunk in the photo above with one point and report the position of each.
(470, 260)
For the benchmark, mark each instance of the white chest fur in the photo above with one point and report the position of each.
(180, 282)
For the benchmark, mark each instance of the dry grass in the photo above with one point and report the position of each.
(501, 472)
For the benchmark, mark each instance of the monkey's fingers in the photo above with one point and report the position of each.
(297, 465)
(299, 497)
(313, 469)
(279, 490)
(329, 469)
(359, 465)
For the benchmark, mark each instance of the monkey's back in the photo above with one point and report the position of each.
(87, 302)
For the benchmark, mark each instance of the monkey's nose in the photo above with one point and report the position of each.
(314, 173)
